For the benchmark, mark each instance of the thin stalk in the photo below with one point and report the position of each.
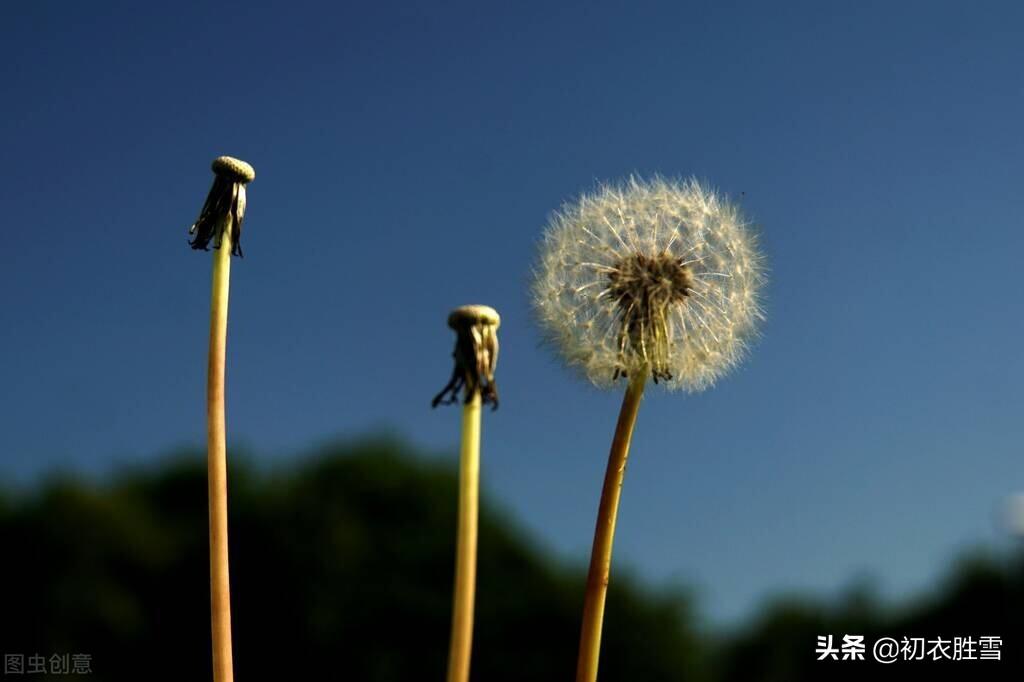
(220, 593)
(604, 534)
(466, 542)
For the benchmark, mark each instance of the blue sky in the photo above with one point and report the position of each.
(407, 159)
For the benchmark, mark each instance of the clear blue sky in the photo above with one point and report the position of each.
(406, 162)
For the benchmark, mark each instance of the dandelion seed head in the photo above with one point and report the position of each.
(475, 354)
(224, 209)
(236, 169)
(660, 277)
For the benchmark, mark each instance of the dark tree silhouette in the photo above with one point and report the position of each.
(342, 569)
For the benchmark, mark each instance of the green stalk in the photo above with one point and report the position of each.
(604, 534)
(220, 593)
(466, 543)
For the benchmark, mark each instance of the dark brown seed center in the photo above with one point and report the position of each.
(640, 282)
(646, 288)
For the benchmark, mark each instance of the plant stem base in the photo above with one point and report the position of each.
(601, 554)
(466, 543)
(220, 593)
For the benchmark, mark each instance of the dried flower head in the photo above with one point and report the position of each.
(659, 277)
(225, 205)
(476, 355)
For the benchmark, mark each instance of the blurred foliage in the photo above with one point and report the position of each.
(984, 596)
(342, 568)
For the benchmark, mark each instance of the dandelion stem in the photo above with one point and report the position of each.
(601, 554)
(466, 542)
(220, 598)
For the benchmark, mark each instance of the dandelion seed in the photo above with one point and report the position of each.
(667, 278)
(647, 252)
(476, 356)
(220, 221)
(224, 208)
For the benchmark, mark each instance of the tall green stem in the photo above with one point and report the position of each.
(604, 534)
(466, 543)
(220, 593)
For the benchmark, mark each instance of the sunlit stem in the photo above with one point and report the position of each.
(220, 595)
(466, 542)
(604, 534)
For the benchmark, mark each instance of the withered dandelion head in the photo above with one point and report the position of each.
(659, 277)
(476, 355)
(225, 206)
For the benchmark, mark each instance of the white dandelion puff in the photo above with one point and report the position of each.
(658, 277)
